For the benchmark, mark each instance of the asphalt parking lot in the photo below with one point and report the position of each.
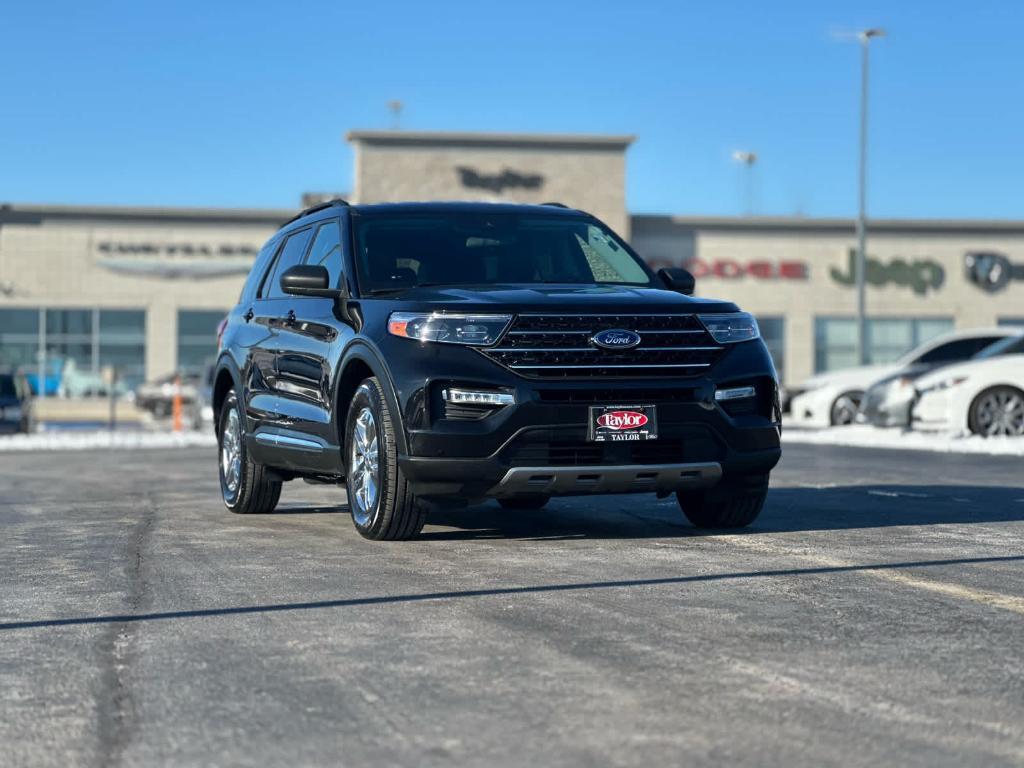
(874, 615)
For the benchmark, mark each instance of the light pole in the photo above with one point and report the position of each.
(747, 159)
(865, 38)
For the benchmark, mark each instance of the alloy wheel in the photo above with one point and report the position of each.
(364, 468)
(231, 452)
(1000, 412)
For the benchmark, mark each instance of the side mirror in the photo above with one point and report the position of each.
(677, 279)
(308, 280)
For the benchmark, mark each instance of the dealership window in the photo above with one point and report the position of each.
(773, 331)
(76, 345)
(197, 338)
(1015, 321)
(835, 339)
(19, 337)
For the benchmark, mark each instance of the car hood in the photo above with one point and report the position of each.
(861, 377)
(554, 298)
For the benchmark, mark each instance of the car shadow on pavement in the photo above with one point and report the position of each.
(787, 509)
(466, 594)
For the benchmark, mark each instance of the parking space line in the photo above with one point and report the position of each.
(893, 575)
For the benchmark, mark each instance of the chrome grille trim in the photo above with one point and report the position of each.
(555, 346)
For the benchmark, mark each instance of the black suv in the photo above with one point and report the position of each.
(436, 353)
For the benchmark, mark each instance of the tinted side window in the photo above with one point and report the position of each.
(959, 349)
(326, 250)
(290, 255)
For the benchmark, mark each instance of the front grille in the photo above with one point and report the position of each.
(559, 347)
(606, 395)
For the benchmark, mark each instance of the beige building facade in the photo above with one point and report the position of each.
(586, 172)
(142, 289)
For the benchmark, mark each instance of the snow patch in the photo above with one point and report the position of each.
(92, 439)
(866, 436)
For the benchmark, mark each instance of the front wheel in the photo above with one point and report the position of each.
(734, 503)
(245, 486)
(383, 506)
(998, 411)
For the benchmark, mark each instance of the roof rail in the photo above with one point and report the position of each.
(315, 208)
(556, 205)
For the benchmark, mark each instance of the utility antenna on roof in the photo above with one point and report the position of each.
(395, 107)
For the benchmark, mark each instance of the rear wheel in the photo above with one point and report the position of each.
(383, 506)
(246, 487)
(733, 503)
(845, 408)
(998, 411)
(524, 502)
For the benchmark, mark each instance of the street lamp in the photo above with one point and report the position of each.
(865, 38)
(747, 159)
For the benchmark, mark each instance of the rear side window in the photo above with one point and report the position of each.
(290, 255)
(326, 251)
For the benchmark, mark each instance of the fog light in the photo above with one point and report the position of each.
(472, 396)
(734, 393)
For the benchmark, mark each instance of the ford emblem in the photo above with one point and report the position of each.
(616, 338)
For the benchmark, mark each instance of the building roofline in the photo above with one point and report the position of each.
(397, 138)
(828, 224)
(13, 213)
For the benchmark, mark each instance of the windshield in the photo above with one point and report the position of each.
(394, 252)
(1011, 345)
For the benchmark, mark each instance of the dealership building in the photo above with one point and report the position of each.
(87, 289)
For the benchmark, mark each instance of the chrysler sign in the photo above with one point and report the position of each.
(176, 260)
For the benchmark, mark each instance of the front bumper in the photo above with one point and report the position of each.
(933, 411)
(540, 444)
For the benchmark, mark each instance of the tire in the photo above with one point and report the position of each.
(730, 504)
(383, 506)
(524, 502)
(245, 486)
(844, 409)
(998, 411)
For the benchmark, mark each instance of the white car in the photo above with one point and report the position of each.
(834, 398)
(984, 397)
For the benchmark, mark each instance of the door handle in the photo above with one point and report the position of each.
(290, 319)
(249, 315)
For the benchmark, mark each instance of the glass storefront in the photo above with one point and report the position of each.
(75, 347)
(835, 339)
(197, 338)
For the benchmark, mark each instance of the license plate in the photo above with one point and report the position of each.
(610, 423)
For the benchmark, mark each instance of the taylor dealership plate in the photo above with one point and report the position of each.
(611, 423)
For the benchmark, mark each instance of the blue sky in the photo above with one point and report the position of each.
(223, 104)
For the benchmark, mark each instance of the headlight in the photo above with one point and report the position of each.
(732, 327)
(953, 381)
(477, 330)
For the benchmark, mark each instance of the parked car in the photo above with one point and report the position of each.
(834, 398)
(16, 414)
(157, 396)
(453, 352)
(984, 396)
(887, 402)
